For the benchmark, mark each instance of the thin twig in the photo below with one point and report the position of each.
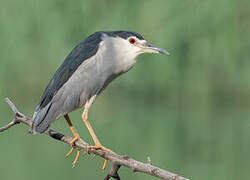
(116, 160)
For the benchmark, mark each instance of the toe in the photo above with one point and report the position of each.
(104, 164)
(71, 150)
(76, 158)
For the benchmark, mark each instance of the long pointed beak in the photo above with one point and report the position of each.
(150, 48)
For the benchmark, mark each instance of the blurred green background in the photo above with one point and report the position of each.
(189, 112)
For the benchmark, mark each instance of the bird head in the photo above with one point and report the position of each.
(130, 43)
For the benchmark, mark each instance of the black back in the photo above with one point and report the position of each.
(78, 55)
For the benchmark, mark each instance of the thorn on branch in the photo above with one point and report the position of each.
(149, 160)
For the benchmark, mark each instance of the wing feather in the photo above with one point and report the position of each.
(78, 55)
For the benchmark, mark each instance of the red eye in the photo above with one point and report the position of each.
(132, 40)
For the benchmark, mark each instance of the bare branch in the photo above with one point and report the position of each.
(116, 160)
(12, 123)
(113, 172)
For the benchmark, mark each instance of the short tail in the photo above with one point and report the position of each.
(41, 121)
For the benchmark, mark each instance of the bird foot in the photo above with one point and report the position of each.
(97, 147)
(72, 143)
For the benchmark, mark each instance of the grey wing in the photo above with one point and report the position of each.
(63, 102)
(60, 96)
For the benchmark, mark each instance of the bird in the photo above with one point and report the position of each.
(84, 74)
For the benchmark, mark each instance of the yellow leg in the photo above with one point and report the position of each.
(77, 138)
(94, 137)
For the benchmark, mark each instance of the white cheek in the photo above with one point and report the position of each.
(142, 41)
(122, 49)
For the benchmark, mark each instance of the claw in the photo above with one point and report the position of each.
(71, 150)
(72, 143)
(104, 164)
(99, 146)
(77, 156)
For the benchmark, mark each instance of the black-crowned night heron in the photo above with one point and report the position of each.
(84, 74)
